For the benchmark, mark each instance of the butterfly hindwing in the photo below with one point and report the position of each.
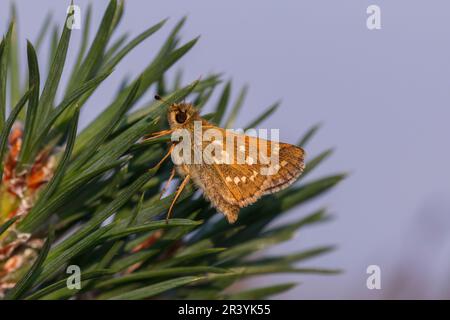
(249, 181)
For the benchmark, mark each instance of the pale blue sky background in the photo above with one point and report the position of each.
(383, 98)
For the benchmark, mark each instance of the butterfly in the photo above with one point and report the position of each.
(234, 170)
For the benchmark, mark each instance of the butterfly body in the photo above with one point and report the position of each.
(235, 172)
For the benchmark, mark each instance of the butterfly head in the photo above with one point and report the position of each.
(180, 114)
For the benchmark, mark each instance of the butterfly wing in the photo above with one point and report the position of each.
(248, 176)
(251, 180)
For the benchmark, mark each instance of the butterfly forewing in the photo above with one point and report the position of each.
(238, 176)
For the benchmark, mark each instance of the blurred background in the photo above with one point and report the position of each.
(382, 97)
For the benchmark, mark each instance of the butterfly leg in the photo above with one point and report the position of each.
(165, 157)
(164, 189)
(177, 195)
(155, 135)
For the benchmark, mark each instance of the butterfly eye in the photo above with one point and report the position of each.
(181, 117)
